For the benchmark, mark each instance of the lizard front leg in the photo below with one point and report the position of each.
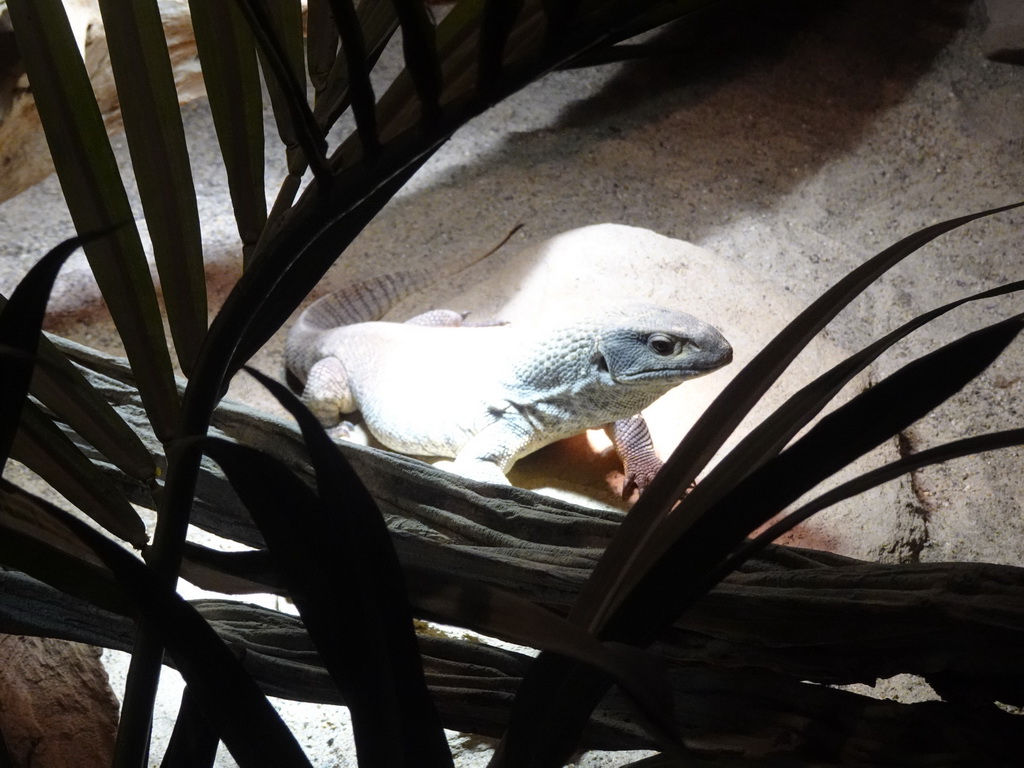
(492, 451)
(632, 441)
(328, 395)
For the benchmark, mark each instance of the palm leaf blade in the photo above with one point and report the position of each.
(156, 140)
(227, 52)
(767, 439)
(275, 32)
(723, 416)
(62, 388)
(95, 195)
(838, 439)
(681, 574)
(357, 529)
(21, 322)
(322, 45)
(230, 699)
(43, 448)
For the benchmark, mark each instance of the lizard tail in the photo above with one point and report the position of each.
(370, 299)
(365, 300)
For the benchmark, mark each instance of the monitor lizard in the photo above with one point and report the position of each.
(487, 395)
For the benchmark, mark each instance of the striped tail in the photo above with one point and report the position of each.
(365, 300)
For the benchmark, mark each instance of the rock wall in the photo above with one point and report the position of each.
(56, 706)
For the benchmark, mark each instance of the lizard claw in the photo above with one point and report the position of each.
(638, 480)
(343, 430)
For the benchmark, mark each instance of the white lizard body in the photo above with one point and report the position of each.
(488, 395)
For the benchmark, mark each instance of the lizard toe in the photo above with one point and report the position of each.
(344, 430)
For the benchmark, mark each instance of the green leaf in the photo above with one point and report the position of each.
(285, 22)
(193, 743)
(160, 162)
(62, 388)
(968, 446)
(227, 52)
(336, 556)
(720, 419)
(96, 197)
(358, 63)
(481, 608)
(499, 17)
(864, 423)
(245, 572)
(51, 453)
(344, 609)
(767, 439)
(419, 46)
(21, 322)
(375, 23)
(288, 267)
(231, 702)
(46, 450)
(348, 82)
(322, 44)
(33, 540)
(277, 32)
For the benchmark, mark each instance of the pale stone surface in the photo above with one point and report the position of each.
(56, 707)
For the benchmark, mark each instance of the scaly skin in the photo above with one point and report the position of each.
(487, 396)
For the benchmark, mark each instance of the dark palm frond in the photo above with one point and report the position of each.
(419, 44)
(709, 524)
(45, 449)
(96, 196)
(358, 64)
(377, 22)
(227, 51)
(295, 118)
(322, 40)
(21, 323)
(193, 743)
(957, 449)
(334, 551)
(841, 437)
(153, 127)
(496, 25)
(724, 415)
(233, 705)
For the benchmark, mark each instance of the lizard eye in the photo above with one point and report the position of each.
(663, 345)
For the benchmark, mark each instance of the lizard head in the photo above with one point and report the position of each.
(657, 346)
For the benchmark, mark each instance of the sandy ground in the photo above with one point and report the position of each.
(789, 158)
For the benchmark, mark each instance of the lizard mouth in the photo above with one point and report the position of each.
(646, 374)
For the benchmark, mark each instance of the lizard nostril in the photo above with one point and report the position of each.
(602, 364)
